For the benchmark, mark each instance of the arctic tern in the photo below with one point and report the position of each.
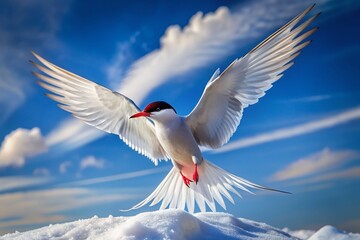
(159, 133)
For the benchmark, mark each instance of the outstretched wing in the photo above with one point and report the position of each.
(219, 111)
(100, 107)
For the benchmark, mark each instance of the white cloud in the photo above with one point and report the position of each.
(44, 206)
(10, 183)
(316, 163)
(72, 133)
(300, 234)
(63, 167)
(320, 170)
(344, 174)
(26, 26)
(91, 162)
(350, 173)
(20, 145)
(70, 128)
(206, 39)
(122, 60)
(10, 89)
(120, 176)
(309, 99)
(41, 172)
(298, 130)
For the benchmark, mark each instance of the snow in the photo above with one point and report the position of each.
(171, 224)
(300, 234)
(329, 232)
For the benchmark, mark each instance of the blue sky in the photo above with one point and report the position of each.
(302, 136)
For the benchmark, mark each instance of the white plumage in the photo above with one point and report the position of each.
(100, 107)
(160, 134)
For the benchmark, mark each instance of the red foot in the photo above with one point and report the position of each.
(186, 180)
(196, 175)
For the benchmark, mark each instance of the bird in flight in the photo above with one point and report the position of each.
(159, 133)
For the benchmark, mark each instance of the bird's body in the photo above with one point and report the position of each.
(175, 137)
(159, 133)
(177, 140)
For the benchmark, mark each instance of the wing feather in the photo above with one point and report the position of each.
(219, 111)
(100, 107)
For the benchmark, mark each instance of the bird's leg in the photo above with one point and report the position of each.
(196, 161)
(186, 180)
(196, 174)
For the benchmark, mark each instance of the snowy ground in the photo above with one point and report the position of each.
(174, 224)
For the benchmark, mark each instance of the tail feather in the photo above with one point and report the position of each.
(215, 183)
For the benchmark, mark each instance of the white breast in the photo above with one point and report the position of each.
(178, 141)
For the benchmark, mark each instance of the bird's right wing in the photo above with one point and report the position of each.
(219, 111)
(100, 107)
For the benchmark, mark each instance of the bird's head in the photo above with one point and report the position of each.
(157, 111)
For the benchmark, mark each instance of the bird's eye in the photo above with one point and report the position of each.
(158, 109)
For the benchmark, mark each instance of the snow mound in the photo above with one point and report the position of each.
(300, 234)
(164, 224)
(169, 224)
(329, 232)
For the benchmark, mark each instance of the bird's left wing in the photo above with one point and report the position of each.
(100, 107)
(219, 111)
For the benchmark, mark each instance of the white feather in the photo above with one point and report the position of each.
(219, 111)
(212, 122)
(100, 107)
(215, 183)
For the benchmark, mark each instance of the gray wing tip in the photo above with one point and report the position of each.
(268, 189)
(49, 95)
(39, 82)
(33, 53)
(37, 56)
(38, 66)
(279, 191)
(308, 9)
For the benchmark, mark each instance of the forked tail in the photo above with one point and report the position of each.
(214, 183)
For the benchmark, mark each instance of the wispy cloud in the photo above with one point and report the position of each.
(309, 99)
(63, 167)
(350, 173)
(44, 206)
(204, 40)
(118, 177)
(72, 133)
(12, 183)
(41, 172)
(38, 24)
(20, 145)
(28, 208)
(10, 89)
(316, 163)
(320, 170)
(284, 133)
(91, 162)
(116, 70)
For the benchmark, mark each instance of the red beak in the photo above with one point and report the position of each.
(140, 114)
